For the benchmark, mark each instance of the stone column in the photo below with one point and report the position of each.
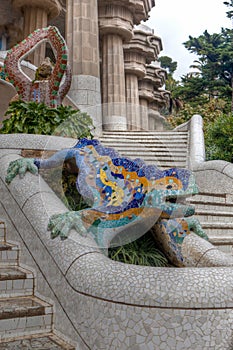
(156, 120)
(113, 83)
(116, 22)
(149, 91)
(82, 36)
(145, 97)
(132, 99)
(36, 15)
(138, 52)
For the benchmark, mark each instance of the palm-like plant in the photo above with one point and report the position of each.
(143, 251)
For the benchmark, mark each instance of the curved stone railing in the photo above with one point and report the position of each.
(214, 176)
(102, 304)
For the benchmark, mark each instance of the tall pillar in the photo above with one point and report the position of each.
(140, 51)
(115, 24)
(145, 97)
(160, 100)
(152, 96)
(82, 36)
(36, 16)
(116, 21)
(113, 83)
(132, 106)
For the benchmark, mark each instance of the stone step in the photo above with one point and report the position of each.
(159, 151)
(15, 281)
(151, 140)
(210, 199)
(213, 207)
(36, 342)
(143, 131)
(145, 135)
(154, 147)
(209, 216)
(165, 149)
(24, 316)
(26, 321)
(9, 254)
(226, 248)
(156, 144)
(2, 231)
(219, 233)
(144, 142)
(165, 165)
(147, 155)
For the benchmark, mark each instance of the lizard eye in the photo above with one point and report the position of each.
(169, 187)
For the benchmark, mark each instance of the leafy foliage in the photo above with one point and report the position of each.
(230, 5)
(219, 138)
(210, 111)
(214, 67)
(168, 64)
(171, 84)
(37, 118)
(209, 90)
(143, 251)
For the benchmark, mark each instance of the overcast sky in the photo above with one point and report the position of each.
(175, 20)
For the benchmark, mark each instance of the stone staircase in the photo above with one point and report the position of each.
(215, 212)
(166, 149)
(26, 321)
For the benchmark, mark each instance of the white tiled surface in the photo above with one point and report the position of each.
(116, 306)
(18, 287)
(25, 326)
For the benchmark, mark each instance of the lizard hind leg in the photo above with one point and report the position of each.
(170, 234)
(195, 226)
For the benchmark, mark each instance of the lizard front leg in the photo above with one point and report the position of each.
(61, 224)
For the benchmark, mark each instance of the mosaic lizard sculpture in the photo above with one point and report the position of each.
(50, 91)
(122, 194)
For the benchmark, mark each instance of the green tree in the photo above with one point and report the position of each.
(215, 67)
(230, 5)
(168, 64)
(37, 118)
(208, 90)
(171, 84)
(219, 139)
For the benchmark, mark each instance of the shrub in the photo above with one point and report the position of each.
(142, 251)
(37, 118)
(219, 138)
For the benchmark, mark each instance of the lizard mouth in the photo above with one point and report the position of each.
(181, 199)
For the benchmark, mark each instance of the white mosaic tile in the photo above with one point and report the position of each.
(116, 306)
(40, 142)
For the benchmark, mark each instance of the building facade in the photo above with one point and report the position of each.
(113, 55)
